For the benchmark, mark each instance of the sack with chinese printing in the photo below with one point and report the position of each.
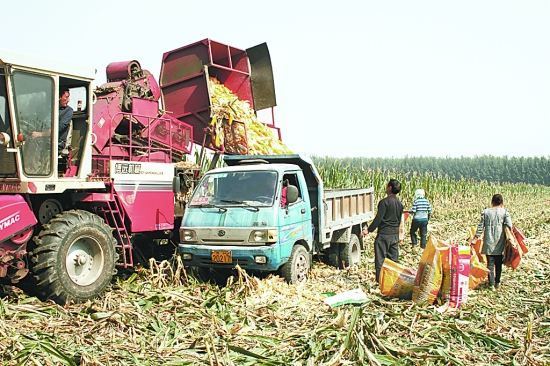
(430, 272)
(396, 280)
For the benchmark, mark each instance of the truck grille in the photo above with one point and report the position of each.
(224, 241)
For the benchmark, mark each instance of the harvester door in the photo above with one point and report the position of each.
(7, 159)
(34, 110)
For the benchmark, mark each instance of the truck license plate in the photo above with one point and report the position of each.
(221, 256)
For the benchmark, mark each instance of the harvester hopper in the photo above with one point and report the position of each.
(185, 81)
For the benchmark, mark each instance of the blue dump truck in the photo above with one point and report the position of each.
(270, 213)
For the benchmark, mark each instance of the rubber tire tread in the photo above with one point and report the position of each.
(347, 251)
(49, 256)
(288, 270)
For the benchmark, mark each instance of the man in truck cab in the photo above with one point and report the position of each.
(283, 193)
(263, 189)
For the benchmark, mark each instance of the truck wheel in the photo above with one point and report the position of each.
(74, 258)
(350, 253)
(298, 265)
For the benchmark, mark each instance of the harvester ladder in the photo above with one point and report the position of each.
(114, 214)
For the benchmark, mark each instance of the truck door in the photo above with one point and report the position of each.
(295, 218)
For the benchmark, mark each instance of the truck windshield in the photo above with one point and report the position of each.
(7, 159)
(246, 188)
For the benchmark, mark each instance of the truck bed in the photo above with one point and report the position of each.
(344, 208)
(341, 205)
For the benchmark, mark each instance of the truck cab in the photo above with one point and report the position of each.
(250, 214)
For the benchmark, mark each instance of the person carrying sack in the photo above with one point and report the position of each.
(491, 225)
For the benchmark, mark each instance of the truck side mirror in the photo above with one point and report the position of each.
(291, 194)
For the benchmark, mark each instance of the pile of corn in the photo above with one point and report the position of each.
(234, 123)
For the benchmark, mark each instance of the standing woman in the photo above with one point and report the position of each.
(491, 226)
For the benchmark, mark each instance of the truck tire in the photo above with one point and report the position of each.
(350, 253)
(74, 258)
(298, 265)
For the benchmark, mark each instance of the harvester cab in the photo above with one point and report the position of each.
(35, 148)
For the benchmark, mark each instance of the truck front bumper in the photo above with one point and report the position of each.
(245, 257)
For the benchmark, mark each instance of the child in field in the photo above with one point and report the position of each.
(422, 210)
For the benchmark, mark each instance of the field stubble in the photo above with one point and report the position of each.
(162, 316)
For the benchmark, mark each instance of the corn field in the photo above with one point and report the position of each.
(161, 315)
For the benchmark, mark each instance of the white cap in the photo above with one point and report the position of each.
(419, 193)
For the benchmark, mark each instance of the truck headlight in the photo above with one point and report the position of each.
(263, 236)
(187, 235)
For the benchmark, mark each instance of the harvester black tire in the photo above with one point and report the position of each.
(298, 265)
(75, 257)
(350, 253)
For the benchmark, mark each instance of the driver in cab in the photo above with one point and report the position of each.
(65, 116)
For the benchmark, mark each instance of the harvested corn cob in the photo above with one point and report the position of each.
(229, 114)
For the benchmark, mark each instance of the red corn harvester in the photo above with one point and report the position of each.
(82, 200)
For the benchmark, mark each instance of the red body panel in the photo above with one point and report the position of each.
(184, 79)
(148, 205)
(15, 216)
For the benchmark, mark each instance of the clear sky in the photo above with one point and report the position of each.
(353, 78)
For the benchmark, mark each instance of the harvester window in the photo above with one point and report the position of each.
(3, 109)
(7, 160)
(34, 110)
(78, 100)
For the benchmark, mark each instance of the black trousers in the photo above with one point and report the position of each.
(423, 227)
(385, 246)
(494, 265)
